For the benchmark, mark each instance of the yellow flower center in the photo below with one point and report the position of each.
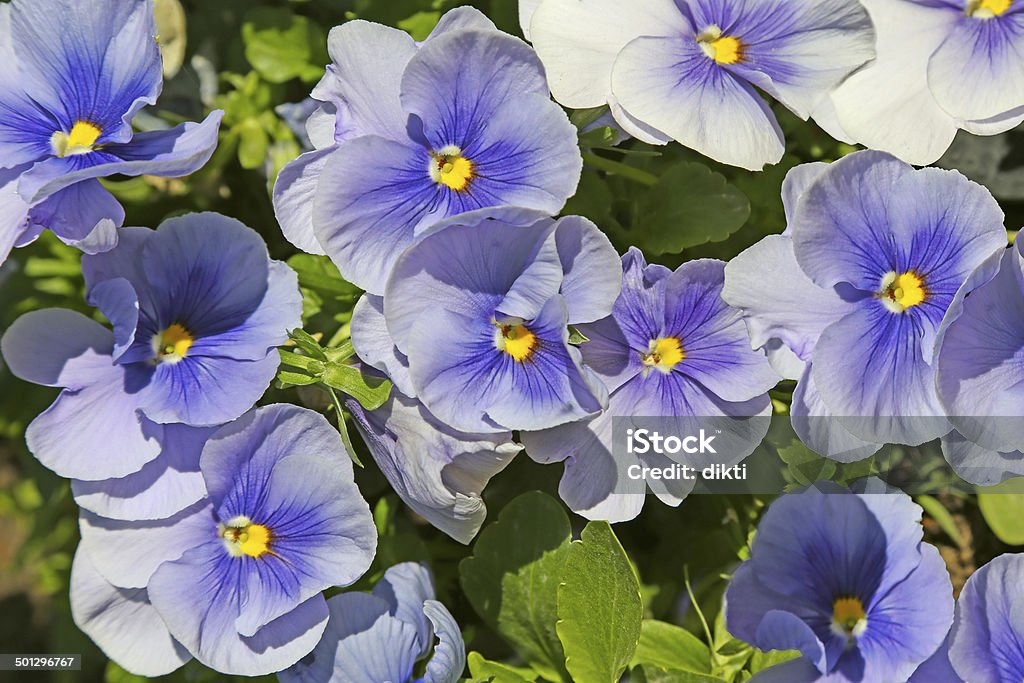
(988, 9)
(722, 49)
(516, 340)
(900, 292)
(81, 140)
(664, 354)
(171, 345)
(242, 537)
(449, 168)
(849, 618)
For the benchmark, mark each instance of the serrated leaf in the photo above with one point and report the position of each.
(599, 607)
(372, 392)
(671, 647)
(690, 205)
(513, 575)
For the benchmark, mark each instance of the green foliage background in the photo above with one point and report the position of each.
(540, 593)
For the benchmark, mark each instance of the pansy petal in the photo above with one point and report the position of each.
(713, 337)
(777, 299)
(123, 623)
(841, 229)
(986, 643)
(374, 345)
(14, 211)
(163, 487)
(106, 66)
(449, 659)
(898, 402)
(980, 465)
(119, 304)
(672, 85)
(798, 51)
(592, 270)
(526, 10)
(127, 553)
(196, 391)
(465, 18)
(979, 363)
(819, 429)
(96, 431)
(406, 587)
(503, 67)
(579, 63)
(84, 215)
(365, 77)
(888, 105)
(172, 153)
(437, 471)
(197, 597)
(364, 221)
(795, 671)
(57, 347)
(937, 668)
(294, 193)
(975, 74)
(796, 182)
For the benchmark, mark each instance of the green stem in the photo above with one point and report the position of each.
(618, 168)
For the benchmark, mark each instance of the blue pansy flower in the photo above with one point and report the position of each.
(481, 309)
(235, 580)
(672, 351)
(423, 132)
(197, 309)
(857, 288)
(987, 641)
(689, 70)
(845, 579)
(76, 72)
(942, 65)
(380, 636)
(438, 471)
(979, 371)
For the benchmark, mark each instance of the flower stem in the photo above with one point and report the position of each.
(618, 168)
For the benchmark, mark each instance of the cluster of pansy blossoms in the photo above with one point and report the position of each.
(212, 523)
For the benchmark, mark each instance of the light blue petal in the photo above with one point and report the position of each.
(57, 347)
(123, 623)
(449, 660)
(294, 193)
(374, 345)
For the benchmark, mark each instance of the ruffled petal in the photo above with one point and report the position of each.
(294, 193)
(374, 345)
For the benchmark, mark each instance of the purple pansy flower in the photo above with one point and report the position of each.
(481, 309)
(674, 351)
(942, 65)
(75, 74)
(421, 132)
(857, 288)
(686, 70)
(197, 308)
(380, 636)
(987, 641)
(845, 579)
(236, 579)
(980, 373)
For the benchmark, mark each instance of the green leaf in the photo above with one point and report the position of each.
(311, 365)
(576, 337)
(484, 671)
(690, 205)
(805, 465)
(766, 660)
(287, 378)
(371, 392)
(599, 607)
(940, 514)
(1003, 511)
(649, 673)
(282, 45)
(671, 647)
(512, 578)
(253, 143)
(319, 274)
(420, 24)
